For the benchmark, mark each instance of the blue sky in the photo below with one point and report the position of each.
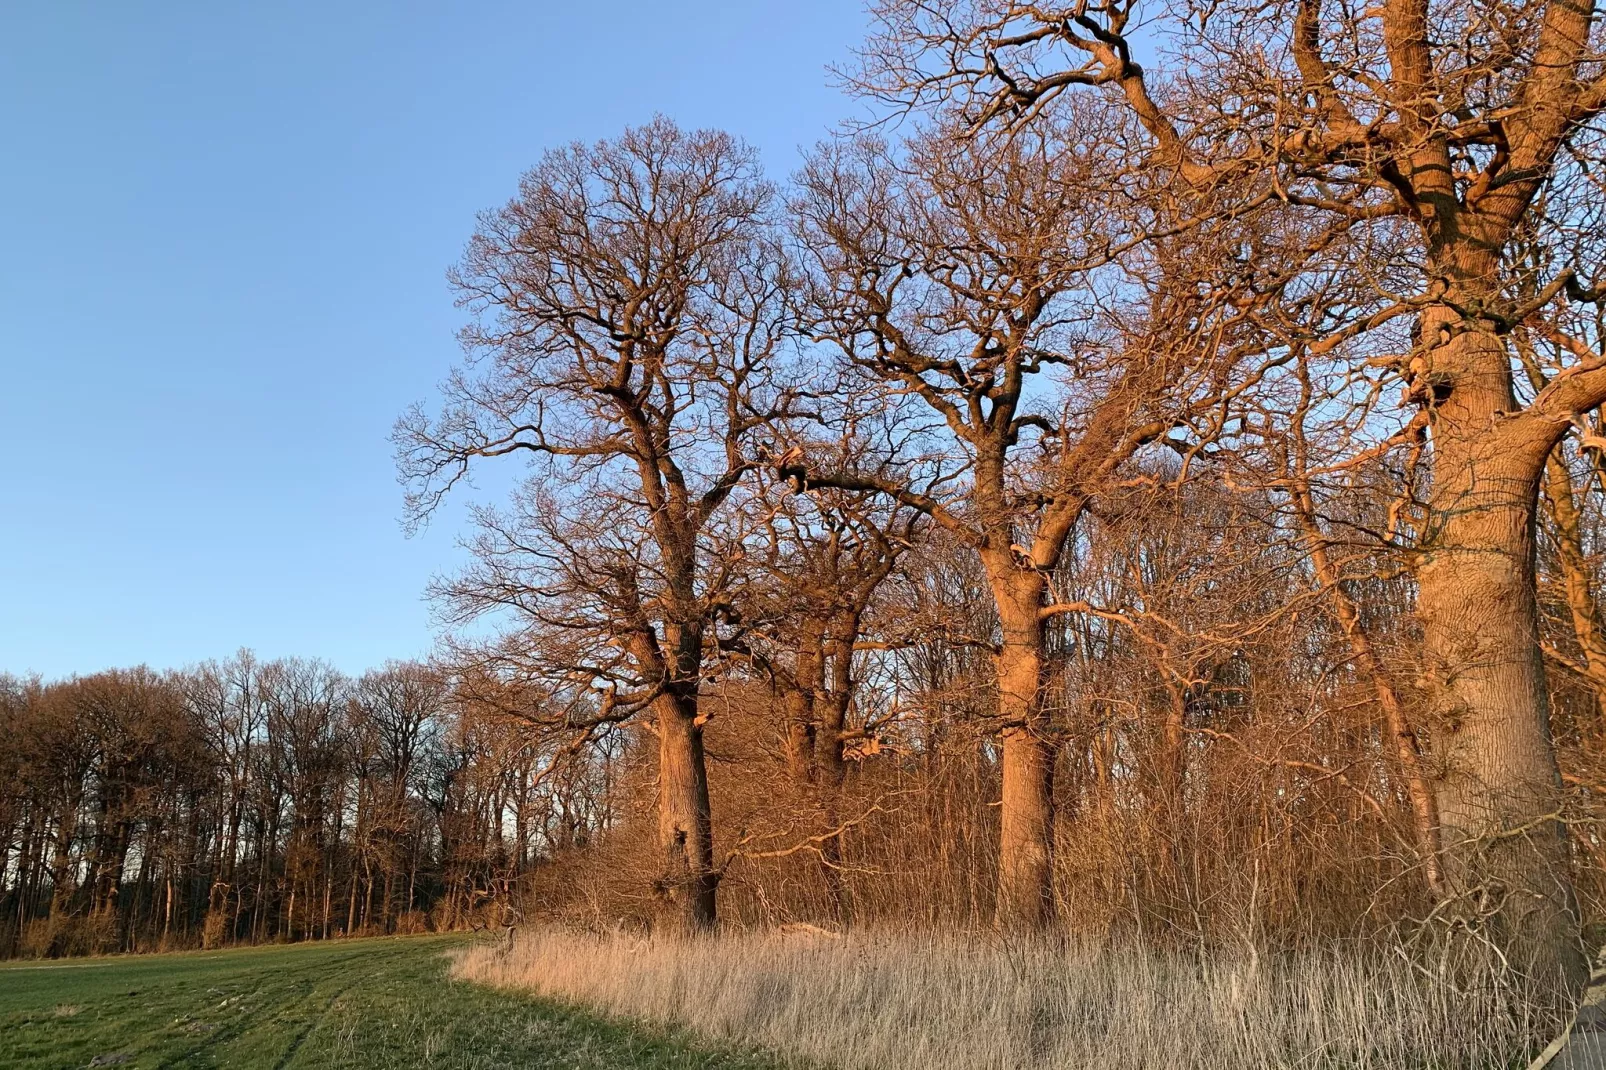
(224, 231)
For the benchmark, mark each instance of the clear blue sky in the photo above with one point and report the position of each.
(223, 234)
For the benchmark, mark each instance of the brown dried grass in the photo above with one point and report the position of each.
(893, 1001)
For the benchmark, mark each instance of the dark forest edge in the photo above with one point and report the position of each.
(247, 802)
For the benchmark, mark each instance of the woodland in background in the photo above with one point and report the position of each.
(1158, 500)
(246, 802)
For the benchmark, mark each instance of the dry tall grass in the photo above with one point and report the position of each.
(892, 1002)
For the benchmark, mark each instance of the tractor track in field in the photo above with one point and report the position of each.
(234, 1030)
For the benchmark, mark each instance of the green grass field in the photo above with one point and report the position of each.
(360, 1003)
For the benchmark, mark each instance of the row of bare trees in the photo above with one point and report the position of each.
(1227, 385)
(1443, 156)
(247, 801)
(1153, 495)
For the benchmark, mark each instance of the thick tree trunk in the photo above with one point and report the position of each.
(832, 710)
(802, 725)
(1499, 799)
(831, 752)
(1026, 819)
(1026, 829)
(685, 822)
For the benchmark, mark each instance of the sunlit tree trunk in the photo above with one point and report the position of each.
(1026, 829)
(1500, 797)
(685, 821)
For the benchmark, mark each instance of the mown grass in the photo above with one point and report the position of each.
(360, 1003)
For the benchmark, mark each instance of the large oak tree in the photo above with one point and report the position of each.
(628, 324)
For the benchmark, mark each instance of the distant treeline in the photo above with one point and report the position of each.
(258, 801)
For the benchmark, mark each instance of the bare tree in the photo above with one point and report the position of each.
(226, 705)
(826, 556)
(630, 320)
(964, 274)
(1458, 125)
(400, 705)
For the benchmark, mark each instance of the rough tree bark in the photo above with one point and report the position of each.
(1026, 831)
(685, 818)
(1500, 797)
